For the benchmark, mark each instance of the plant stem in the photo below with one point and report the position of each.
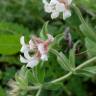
(85, 63)
(39, 91)
(60, 79)
(33, 87)
(70, 73)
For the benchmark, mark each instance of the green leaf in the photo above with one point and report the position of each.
(91, 47)
(41, 74)
(84, 27)
(63, 61)
(58, 38)
(21, 78)
(44, 31)
(36, 75)
(72, 55)
(88, 71)
(72, 58)
(88, 32)
(32, 78)
(55, 86)
(12, 28)
(9, 44)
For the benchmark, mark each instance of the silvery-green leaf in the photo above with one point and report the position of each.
(44, 31)
(84, 27)
(21, 78)
(86, 30)
(88, 71)
(72, 55)
(91, 47)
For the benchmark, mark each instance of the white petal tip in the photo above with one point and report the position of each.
(44, 58)
(22, 59)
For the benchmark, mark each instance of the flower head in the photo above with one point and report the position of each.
(39, 48)
(55, 7)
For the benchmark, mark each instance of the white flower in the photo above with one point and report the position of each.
(44, 57)
(31, 62)
(32, 45)
(55, 7)
(38, 46)
(25, 47)
(66, 14)
(69, 2)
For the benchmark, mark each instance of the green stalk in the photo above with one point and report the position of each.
(85, 63)
(39, 91)
(60, 79)
(33, 87)
(70, 73)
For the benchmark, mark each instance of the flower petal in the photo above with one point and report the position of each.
(31, 45)
(41, 48)
(22, 49)
(23, 60)
(26, 55)
(66, 14)
(54, 15)
(22, 40)
(24, 45)
(44, 57)
(69, 2)
(52, 2)
(34, 61)
(48, 8)
(60, 7)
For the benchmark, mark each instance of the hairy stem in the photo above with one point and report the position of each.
(86, 63)
(60, 79)
(39, 91)
(33, 87)
(70, 73)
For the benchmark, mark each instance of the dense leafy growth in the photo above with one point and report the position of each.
(73, 48)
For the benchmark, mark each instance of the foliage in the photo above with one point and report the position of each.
(69, 68)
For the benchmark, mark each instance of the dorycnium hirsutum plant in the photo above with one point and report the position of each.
(31, 80)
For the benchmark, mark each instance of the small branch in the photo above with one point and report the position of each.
(39, 91)
(33, 87)
(85, 63)
(70, 73)
(61, 78)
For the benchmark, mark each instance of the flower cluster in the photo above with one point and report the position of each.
(38, 47)
(55, 7)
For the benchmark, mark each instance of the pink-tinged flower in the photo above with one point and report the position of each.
(39, 48)
(55, 7)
